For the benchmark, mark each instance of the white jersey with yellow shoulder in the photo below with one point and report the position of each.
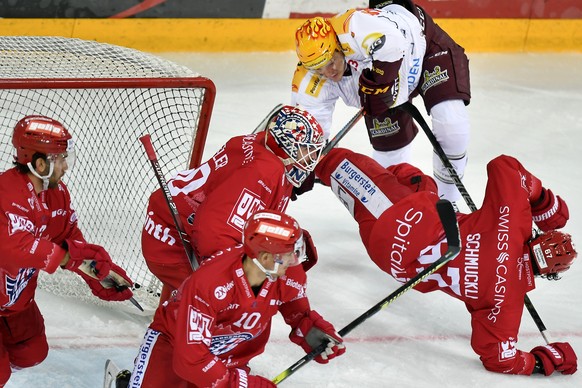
(318, 95)
(365, 35)
(387, 35)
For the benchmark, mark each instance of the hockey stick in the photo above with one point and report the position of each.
(416, 115)
(449, 220)
(263, 124)
(342, 132)
(151, 154)
(113, 280)
(409, 108)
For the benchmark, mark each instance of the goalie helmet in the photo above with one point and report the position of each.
(274, 232)
(297, 138)
(40, 134)
(315, 43)
(553, 253)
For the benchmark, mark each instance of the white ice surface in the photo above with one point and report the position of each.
(525, 105)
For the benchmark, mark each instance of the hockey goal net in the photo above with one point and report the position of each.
(107, 97)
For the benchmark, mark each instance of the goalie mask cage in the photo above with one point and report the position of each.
(107, 97)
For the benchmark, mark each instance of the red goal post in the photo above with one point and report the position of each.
(108, 97)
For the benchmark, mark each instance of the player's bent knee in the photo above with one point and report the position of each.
(29, 353)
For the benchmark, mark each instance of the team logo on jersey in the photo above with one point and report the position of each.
(15, 286)
(503, 256)
(384, 128)
(247, 204)
(434, 78)
(19, 223)
(373, 42)
(198, 327)
(221, 344)
(220, 292)
(507, 349)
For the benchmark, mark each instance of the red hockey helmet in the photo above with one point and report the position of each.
(296, 137)
(274, 232)
(553, 253)
(39, 134)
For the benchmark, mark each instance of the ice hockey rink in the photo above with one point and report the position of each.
(524, 105)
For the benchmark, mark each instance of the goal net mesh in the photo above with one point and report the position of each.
(107, 97)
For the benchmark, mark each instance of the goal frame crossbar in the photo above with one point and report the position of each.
(132, 83)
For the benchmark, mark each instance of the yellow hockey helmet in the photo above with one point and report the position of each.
(315, 43)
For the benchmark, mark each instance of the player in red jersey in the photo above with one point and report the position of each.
(38, 231)
(400, 228)
(220, 318)
(214, 200)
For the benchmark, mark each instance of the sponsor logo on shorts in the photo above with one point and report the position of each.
(507, 349)
(434, 78)
(384, 128)
(348, 178)
(142, 359)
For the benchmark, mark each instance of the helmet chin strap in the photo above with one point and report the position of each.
(271, 273)
(45, 179)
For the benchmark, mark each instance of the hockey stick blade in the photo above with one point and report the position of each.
(449, 220)
(263, 124)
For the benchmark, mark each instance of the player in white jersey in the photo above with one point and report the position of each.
(379, 59)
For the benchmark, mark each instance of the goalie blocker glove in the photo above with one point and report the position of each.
(311, 331)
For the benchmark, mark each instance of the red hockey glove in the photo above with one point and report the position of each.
(310, 251)
(557, 356)
(87, 258)
(114, 287)
(550, 212)
(311, 331)
(239, 379)
(379, 87)
(413, 178)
